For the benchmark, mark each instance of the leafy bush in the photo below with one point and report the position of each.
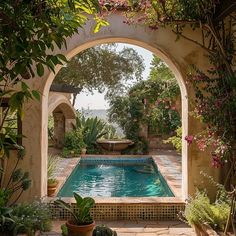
(25, 218)
(199, 210)
(150, 103)
(73, 143)
(176, 140)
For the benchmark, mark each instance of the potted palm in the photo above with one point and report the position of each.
(82, 223)
(52, 181)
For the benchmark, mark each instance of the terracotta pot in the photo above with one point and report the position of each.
(52, 188)
(204, 230)
(83, 151)
(79, 230)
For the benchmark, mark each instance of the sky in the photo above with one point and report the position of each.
(96, 100)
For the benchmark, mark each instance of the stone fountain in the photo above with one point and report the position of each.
(114, 146)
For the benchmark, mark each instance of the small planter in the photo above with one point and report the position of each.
(204, 230)
(52, 187)
(83, 151)
(79, 230)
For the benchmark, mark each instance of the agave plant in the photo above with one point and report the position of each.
(52, 165)
(93, 129)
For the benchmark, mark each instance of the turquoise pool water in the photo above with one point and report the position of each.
(116, 177)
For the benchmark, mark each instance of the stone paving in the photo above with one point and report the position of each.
(138, 228)
(169, 164)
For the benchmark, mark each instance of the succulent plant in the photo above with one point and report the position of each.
(103, 230)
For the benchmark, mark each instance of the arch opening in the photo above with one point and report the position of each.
(171, 64)
(61, 116)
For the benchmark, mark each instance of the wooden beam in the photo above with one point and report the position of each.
(224, 9)
(64, 88)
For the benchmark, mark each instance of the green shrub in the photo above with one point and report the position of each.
(199, 210)
(176, 140)
(73, 143)
(25, 218)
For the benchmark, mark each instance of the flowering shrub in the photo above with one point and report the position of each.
(215, 101)
(150, 104)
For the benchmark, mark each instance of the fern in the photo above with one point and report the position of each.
(199, 210)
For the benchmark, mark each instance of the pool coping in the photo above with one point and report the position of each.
(122, 200)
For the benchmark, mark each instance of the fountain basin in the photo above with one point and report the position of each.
(114, 146)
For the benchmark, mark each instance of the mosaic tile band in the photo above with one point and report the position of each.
(126, 211)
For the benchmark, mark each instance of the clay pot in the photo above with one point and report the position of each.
(79, 230)
(52, 187)
(204, 230)
(83, 151)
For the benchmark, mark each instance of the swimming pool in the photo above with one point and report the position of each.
(116, 177)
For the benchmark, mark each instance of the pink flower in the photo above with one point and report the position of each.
(153, 27)
(189, 139)
(216, 161)
(201, 144)
(157, 102)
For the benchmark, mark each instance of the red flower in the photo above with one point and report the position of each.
(189, 139)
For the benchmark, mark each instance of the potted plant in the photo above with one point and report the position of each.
(206, 217)
(52, 181)
(82, 223)
(83, 149)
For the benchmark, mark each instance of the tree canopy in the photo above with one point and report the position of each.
(159, 69)
(103, 67)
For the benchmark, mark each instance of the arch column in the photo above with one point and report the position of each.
(59, 129)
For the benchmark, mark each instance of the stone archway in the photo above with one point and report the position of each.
(60, 107)
(178, 55)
